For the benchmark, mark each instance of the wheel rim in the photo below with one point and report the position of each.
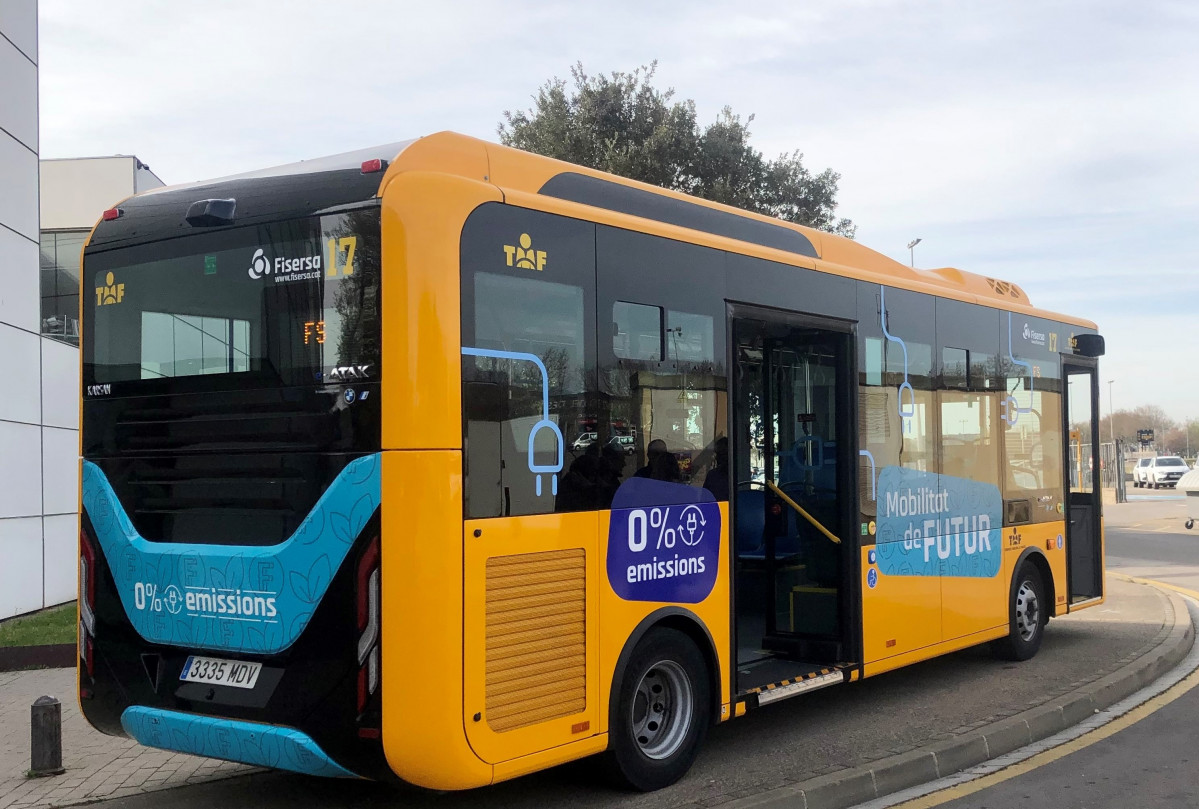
(661, 711)
(1028, 611)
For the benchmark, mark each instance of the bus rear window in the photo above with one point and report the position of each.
(278, 304)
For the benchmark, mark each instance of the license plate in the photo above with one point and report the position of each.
(215, 671)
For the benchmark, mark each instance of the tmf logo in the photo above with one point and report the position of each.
(109, 293)
(524, 256)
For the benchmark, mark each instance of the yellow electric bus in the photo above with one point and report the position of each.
(445, 462)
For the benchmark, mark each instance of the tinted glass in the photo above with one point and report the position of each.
(279, 304)
(637, 331)
(666, 419)
(953, 367)
(528, 372)
(689, 337)
(60, 284)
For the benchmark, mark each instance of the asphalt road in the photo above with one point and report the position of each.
(1150, 763)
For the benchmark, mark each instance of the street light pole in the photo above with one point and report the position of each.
(912, 247)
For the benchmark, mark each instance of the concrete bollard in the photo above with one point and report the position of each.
(45, 737)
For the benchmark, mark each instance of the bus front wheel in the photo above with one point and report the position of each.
(662, 712)
(1028, 612)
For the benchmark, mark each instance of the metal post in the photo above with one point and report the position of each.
(1121, 492)
(1111, 413)
(912, 247)
(45, 737)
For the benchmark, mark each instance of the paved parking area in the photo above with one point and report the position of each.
(98, 766)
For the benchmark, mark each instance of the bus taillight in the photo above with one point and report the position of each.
(87, 602)
(367, 586)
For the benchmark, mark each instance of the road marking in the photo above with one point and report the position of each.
(1157, 583)
(1082, 742)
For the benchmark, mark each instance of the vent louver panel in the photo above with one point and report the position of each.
(536, 638)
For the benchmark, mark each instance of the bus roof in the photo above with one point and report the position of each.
(308, 186)
(545, 182)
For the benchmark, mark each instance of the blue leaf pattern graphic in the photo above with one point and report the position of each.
(293, 576)
(341, 527)
(300, 621)
(319, 576)
(299, 586)
(261, 745)
(235, 570)
(362, 512)
(312, 528)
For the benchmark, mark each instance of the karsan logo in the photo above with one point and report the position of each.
(109, 292)
(284, 269)
(523, 255)
(1033, 336)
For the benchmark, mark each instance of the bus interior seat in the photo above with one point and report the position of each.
(750, 528)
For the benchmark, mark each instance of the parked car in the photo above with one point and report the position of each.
(1140, 472)
(1166, 470)
(624, 443)
(584, 441)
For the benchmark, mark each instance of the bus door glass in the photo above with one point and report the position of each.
(1084, 554)
(790, 504)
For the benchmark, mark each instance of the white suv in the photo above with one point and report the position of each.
(1165, 471)
(1140, 472)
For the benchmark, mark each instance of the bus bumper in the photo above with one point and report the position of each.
(232, 740)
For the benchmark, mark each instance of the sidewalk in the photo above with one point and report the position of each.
(832, 749)
(98, 766)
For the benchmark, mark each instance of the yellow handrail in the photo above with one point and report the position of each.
(783, 496)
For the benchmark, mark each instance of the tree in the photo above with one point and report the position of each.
(622, 124)
(1143, 417)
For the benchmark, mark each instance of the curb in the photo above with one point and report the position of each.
(52, 656)
(857, 785)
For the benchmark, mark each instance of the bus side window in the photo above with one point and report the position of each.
(517, 319)
(528, 365)
(969, 448)
(1033, 449)
(665, 390)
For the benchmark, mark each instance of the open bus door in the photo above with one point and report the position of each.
(1084, 551)
(794, 495)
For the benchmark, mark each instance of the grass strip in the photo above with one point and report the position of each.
(50, 626)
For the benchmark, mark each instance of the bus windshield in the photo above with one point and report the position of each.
(280, 304)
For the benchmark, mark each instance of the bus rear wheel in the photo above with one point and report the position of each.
(1028, 612)
(661, 712)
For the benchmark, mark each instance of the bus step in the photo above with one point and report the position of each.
(775, 693)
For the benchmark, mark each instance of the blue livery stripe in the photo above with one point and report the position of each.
(232, 740)
(232, 597)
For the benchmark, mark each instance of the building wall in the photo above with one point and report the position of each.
(38, 403)
(39, 399)
(76, 191)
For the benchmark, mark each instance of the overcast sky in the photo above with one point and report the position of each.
(1053, 144)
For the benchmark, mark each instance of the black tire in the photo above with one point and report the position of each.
(1028, 613)
(650, 749)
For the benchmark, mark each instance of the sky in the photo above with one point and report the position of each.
(1052, 143)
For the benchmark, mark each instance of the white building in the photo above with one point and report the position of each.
(74, 192)
(39, 398)
(38, 407)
